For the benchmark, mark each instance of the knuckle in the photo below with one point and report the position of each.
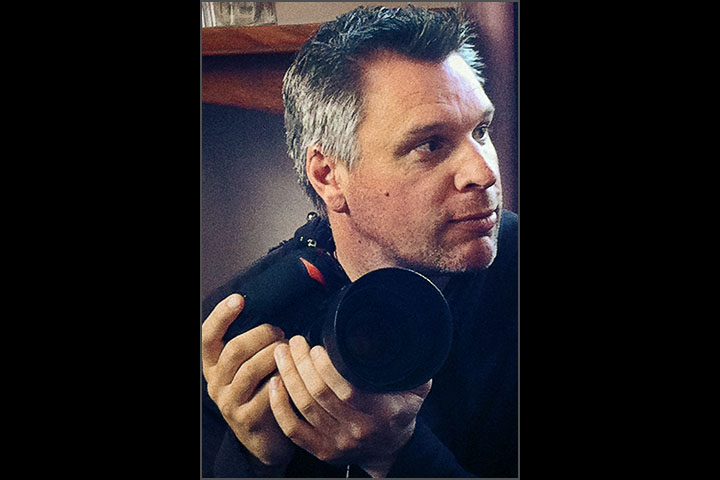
(301, 357)
(319, 390)
(292, 429)
(360, 430)
(305, 405)
(226, 408)
(236, 350)
(213, 392)
(240, 418)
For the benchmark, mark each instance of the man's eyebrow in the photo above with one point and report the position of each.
(424, 129)
(420, 130)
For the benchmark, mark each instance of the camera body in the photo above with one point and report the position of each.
(390, 330)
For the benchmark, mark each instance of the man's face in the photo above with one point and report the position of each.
(426, 192)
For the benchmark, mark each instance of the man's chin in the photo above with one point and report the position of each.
(472, 256)
(475, 255)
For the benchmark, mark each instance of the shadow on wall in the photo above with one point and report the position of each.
(250, 199)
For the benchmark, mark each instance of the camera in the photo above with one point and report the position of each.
(390, 330)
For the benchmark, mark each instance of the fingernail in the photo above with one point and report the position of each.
(233, 301)
(315, 352)
(296, 341)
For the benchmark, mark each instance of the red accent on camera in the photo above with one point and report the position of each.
(313, 271)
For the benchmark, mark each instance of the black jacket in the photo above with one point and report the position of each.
(468, 425)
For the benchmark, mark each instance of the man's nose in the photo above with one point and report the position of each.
(478, 168)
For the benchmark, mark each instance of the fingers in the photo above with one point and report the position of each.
(300, 432)
(241, 348)
(215, 326)
(300, 379)
(316, 382)
(242, 365)
(257, 409)
(252, 372)
(342, 389)
(315, 430)
(243, 362)
(332, 424)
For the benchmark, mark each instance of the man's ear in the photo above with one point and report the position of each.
(327, 177)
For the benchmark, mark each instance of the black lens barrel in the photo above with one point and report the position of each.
(391, 330)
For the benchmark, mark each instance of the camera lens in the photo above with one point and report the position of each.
(391, 330)
(376, 332)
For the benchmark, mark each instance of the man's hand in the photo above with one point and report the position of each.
(340, 423)
(234, 371)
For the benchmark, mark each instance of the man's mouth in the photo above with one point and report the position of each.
(480, 222)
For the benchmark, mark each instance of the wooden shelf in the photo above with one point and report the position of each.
(260, 39)
(244, 66)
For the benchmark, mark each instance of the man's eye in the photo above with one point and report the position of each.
(481, 132)
(429, 146)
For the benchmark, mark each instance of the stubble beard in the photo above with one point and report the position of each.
(433, 256)
(432, 261)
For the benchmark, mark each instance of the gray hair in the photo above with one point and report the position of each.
(322, 89)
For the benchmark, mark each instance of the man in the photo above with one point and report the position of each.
(387, 122)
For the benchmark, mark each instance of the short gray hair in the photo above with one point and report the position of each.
(322, 89)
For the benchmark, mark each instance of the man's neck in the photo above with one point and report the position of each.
(355, 266)
(358, 257)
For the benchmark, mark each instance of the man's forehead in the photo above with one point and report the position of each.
(396, 86)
